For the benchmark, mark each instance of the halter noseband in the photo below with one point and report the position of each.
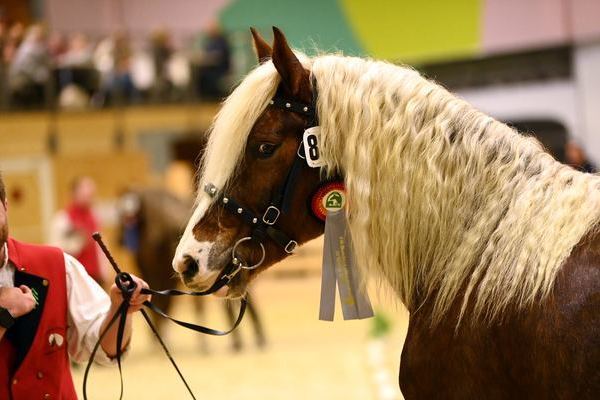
(264, 226)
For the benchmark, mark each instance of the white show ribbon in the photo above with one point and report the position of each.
(339, 267)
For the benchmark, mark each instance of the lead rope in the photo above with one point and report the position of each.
(127, 286)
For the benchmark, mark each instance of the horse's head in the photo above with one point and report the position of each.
(240, 224)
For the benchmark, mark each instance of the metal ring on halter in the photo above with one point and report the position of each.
(300, 151)
(238, 261)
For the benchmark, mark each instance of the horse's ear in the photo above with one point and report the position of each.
(263, 50)
(294, 77)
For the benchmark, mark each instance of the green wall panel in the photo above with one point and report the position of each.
(308, 24)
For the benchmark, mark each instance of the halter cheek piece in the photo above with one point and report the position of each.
(265, 225)
(262, 227)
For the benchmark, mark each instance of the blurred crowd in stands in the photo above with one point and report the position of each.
(40, 68)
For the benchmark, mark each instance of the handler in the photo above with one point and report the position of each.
(50, 309)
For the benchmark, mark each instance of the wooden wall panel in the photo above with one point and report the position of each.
(86, 132)
(24, 199)
(23, 134)
(112, 173)
(29, 193)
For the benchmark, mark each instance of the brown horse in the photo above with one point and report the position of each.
(151, 221)
(491, 244)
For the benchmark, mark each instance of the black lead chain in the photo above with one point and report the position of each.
(127, 286)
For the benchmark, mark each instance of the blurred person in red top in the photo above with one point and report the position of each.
(73, 227)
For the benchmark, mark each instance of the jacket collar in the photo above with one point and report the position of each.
(13, 254)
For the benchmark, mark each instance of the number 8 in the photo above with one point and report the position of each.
(313, 147)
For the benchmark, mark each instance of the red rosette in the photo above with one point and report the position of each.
(330, 196)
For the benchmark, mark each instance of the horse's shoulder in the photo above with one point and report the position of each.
(578, 282)
(569, 323)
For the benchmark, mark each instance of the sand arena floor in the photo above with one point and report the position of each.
(304, 358)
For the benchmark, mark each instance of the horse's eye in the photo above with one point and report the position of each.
(266, 150)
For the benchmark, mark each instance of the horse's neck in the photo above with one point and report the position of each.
(442, 196)
(437, 208)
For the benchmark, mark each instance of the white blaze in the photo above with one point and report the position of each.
(188, 245)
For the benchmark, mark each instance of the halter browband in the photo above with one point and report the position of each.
(264, 225)
(293, 106)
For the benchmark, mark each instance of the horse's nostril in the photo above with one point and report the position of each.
(190, 267)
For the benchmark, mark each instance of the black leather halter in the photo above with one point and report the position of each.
(265, 225)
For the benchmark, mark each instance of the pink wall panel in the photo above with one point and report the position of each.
(138, 17)
(585, 19)
(93, 16)
(513, 24)
(183, 17)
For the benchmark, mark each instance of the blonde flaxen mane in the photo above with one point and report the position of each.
(442, 197)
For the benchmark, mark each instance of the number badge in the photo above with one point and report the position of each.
(311, 147)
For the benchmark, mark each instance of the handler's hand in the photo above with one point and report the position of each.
(137, 299)
(18, 301)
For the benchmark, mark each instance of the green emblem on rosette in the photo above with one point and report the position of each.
(331, 196)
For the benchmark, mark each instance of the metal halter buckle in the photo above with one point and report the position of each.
(291, 246)
(233, 273)
(211, 189)
(271, 214)
(239, 262)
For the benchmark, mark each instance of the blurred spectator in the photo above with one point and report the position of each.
(178, 71)
(72, 228)
(57, 46)
(575, 156)
(40, 68)
(13, 40)
(3, 36)
(214, 63)
(77, 78)
(79, 52)
(73, 97)
(142, 72)
(113, 60)
(162, 50)
(29, 71)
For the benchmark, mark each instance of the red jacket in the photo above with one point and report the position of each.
(34, 361)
